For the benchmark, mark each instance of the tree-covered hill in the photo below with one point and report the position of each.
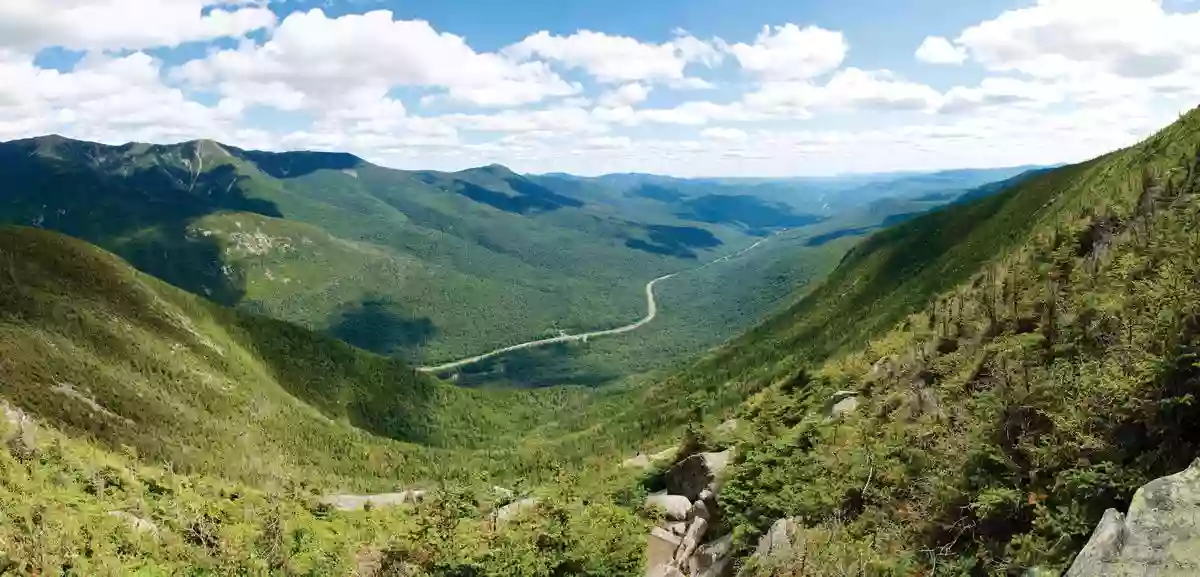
(432, 265)
(429, 266)
(111, 354)
(1020, 362)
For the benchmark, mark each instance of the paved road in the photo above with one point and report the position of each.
(651, 312)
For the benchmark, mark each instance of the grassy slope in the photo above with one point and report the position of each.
(1038, 365)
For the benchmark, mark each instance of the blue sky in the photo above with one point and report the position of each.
(699, 87)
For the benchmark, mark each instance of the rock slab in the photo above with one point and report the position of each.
(1159, 537)
(694, 474)
(674, 507)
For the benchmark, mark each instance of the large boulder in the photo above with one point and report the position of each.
(641, 461)
(510, 511)
(694, 474)
(376, 501)
(138, 524)
(777, 546)
(840, 404)
(1160, 536)
(713, 559)
(645, 462)
(691, 541)
(660, 550)
(674, 507)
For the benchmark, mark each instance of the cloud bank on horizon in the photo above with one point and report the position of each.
(1035, 82)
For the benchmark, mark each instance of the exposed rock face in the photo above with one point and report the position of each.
(674, 507)
(511, 510)
(380, 500)
(21, 432)
(777, 545)
(697, 473)
(136, 523)
(1159, 537)
(644, 461)
(692, 540)
(660, 550)
(679, 549)
(840, 404)
(641, 461)
(713, 559)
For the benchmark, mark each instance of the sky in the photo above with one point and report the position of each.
(679, 87)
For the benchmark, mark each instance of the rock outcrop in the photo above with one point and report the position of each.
(376, 501)
(674, 507)
(694, 548)
(695, 474)
(660, 550)
(840, 404)
(644, 461)
(138, 524)
(511, 510)
(776, 547)
(1159, 537)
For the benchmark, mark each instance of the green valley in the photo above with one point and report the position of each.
(432, 266)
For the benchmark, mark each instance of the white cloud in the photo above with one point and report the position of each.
(111, 99)
(692, 113)
(789, 52)
(616, 59)
(30, 25)
(626, 95)
(1002, 92)
(557, 121)
(612, 142)
(938, 50)
(721, 133)
(848, 90)
(321, 58)
(1133, 39)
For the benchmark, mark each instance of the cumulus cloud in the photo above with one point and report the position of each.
(1001, 91)
(1133, 39)
(30, 25)
(626, 95)
(561, 120)
(789, 52)
(616, 59)
(849, 89)
(722, 133)
(938, 50)
(1065, 79)
(320, 58)
(113, 99)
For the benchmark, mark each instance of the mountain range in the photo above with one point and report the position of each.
(207, 353)
(425, 265)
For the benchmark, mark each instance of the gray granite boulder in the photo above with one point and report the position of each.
(693, 475)
(674, 507)
(1159, 537)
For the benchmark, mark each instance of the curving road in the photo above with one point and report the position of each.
(651, 312)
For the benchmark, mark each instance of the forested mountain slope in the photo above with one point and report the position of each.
(434, 266)
(150, 431)
(1020, 364)
(428, 265)
(103, 351)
